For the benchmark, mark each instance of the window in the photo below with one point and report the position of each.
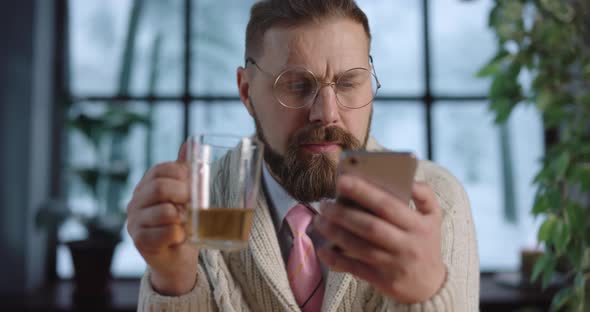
(175, 62)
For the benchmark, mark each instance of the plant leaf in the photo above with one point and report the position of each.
(542, 175)
(581, 175)
(502, 107)
(554, 198)
(92, 127)
(576, 216)
(553, 116)
(544, 100)
(576, 254)
(548, 271)
(494, 66)
(560, 9)
(489, 69)
(562, 164)
(561, 236)
(89, 176)
(541, 265)
(547, 229)
(580, 280)
(561, 298)
(541, 205)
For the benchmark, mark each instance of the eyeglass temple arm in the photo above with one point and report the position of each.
(374, 71)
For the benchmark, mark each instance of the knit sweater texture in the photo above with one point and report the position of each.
(255, 279)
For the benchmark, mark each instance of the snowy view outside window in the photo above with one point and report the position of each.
(490, 161)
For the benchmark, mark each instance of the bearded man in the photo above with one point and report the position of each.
(309, 83)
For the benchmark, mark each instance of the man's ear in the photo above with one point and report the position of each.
(244, 88)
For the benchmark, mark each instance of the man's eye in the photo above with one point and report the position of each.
(300, 86)
(347, 85)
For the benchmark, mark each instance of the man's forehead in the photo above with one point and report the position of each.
(339, 43)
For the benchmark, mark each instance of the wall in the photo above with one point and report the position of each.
(26, 72)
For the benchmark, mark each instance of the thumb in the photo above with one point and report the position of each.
(182, 153)
(424, 198)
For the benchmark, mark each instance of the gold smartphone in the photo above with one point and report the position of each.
(392, 171)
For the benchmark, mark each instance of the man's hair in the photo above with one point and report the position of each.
(288, 13)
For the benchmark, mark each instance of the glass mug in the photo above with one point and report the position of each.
(214, 218)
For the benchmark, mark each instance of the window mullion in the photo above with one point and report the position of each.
(186, 99)
(428, 98)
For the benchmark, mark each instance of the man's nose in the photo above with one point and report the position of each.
(325, 107)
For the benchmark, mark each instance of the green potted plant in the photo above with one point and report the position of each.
(106, 132)
(105, 127)
(548, 41)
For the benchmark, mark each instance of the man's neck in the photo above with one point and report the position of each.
(273, 175)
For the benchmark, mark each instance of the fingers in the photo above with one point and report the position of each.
(352, 245)
(161, 190)
(341, 263)
(377, 201)
(154, 239)
(160, 215)
(171, 170)
(155, 213)
(425, 199)
(182, 153)
(364, 225)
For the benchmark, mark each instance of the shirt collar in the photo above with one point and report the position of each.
(279, 197)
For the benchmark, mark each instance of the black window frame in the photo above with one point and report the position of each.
(427, 99)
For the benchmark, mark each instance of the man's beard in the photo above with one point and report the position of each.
(308, 177)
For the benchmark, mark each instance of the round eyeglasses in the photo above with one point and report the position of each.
(298, 87)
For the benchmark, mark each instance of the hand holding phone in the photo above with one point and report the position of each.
(381, 240)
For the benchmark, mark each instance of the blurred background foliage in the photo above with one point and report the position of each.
(543, 59)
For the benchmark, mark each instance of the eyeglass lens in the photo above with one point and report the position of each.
(298, 87)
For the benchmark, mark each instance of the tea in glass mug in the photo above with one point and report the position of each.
(214, 218)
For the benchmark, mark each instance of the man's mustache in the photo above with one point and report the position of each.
(317, 134)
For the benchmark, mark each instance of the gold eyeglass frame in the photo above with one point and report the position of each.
(319, 84)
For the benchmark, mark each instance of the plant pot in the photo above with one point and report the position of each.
(528, 258)
(92, 269)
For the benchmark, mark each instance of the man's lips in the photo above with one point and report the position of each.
(321, 147)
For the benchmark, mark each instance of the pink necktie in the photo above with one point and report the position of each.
(303, 266)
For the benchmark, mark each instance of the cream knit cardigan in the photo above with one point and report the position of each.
(255, 279)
